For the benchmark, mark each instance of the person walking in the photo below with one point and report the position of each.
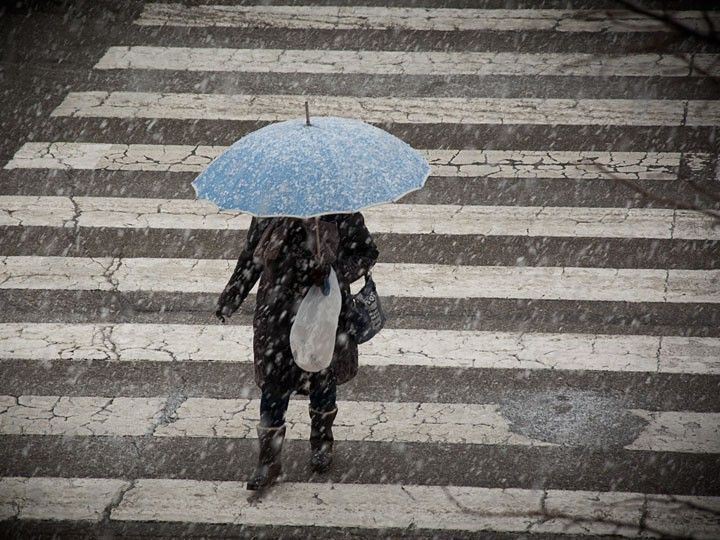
(284, 254)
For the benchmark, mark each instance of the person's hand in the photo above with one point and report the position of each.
(223, 313)
(319, 274)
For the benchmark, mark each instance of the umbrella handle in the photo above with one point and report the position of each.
(317, 237)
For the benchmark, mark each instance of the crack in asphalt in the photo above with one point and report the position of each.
(117, 501)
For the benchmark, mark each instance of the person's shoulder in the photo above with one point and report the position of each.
(262, 222)
(352, 216)
(352, 224)
(258, 226)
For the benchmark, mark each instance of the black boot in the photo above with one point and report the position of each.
(321, 439)
(269, 466)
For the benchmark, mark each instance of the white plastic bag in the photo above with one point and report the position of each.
(312, 336)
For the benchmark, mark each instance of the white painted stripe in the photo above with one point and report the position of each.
(703, 113)
(237, 418)
(438, 19)
(118, 212)
(706, 65)
(570, 222)
(364, 506)
(402, 62)
(460, 163)
(392, 347)
(680, 431)
(381, 506)
(79, 416)
(72, 499)
(369, 421)
(404, 280)
(420, 110)
(448, 423)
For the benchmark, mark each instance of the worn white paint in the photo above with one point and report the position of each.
(410, 422)
(236, 418)
(682, 515)
(406, 280)
(706, 65)
(126, 342)
(392, 347)
(71, 499)
(455, 163)
(678, 431)
(689, 355)
(416, 110)
(568, 222)
(402, 62)
(365, 506)
(437, 19)
(703, 113)
(114, 157)
(556, 164)
(403, 280)
(118, 212)
(449, 423)
(408, 507)
(83, 415)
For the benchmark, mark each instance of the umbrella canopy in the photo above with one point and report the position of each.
(331, 166)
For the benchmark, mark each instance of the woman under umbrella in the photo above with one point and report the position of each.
(283, 253)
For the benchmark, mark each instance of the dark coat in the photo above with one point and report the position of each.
(283, 284)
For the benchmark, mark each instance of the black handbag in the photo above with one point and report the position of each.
(366, 314)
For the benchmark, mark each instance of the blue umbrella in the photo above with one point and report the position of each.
(301, 169)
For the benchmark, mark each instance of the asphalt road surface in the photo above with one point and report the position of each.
(551, 363)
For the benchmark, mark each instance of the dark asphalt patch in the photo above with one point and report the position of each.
(572, 417)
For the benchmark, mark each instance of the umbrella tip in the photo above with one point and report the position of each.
(307, 114)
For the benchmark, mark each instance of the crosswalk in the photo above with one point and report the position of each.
(367, 421)
(400, 347)
(454, 220)
(400, 280)
(551, 363)
(406, 62)
(367, 506)
(453, 163)
(437, 19)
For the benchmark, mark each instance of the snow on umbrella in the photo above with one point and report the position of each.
(304, 169)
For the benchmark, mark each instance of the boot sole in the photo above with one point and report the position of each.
(320, 468)
(259, 487)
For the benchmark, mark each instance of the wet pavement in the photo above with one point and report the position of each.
(551, 362)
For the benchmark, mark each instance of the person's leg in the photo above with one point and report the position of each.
(271, 434)
(323, 395)
(323, 410)
(273, 406)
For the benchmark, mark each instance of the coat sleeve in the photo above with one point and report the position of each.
(247, 272)
(357, 253)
